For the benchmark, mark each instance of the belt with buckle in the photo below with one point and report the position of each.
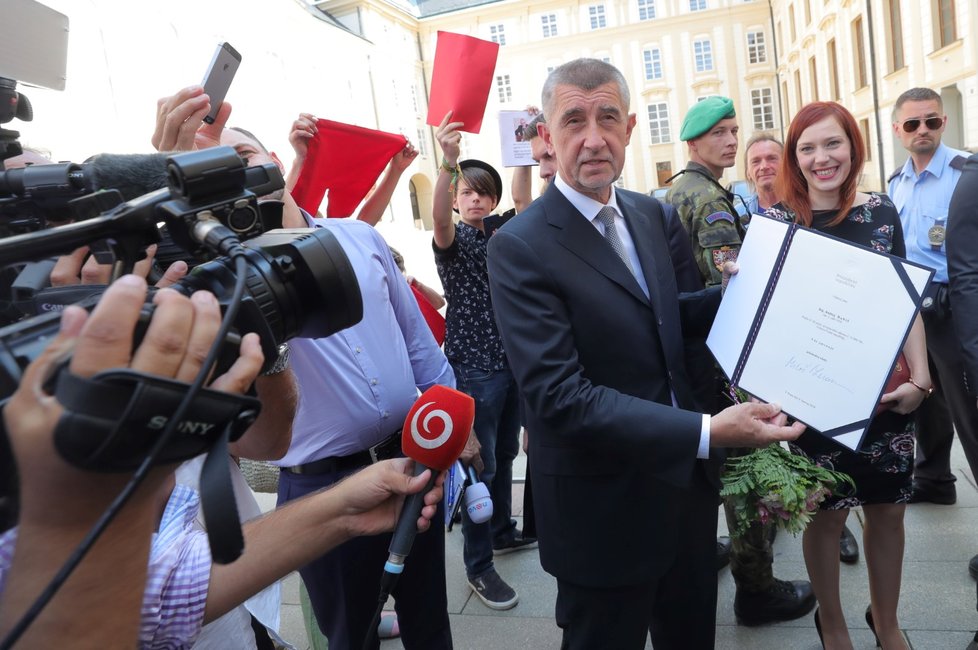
(389, 447)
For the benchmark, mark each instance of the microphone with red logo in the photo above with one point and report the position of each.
(435, 432)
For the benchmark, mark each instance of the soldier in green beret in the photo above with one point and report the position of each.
(707, 212)
(705, 208)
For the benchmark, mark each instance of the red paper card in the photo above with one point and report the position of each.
(346, 160)
(461, 79)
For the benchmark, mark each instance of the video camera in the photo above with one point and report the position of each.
(298, 282)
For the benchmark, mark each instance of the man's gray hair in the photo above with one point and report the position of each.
(586, 74)
(917, 95)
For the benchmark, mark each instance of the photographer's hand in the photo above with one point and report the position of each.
(180, 121)
(75, 269)
(60, 502)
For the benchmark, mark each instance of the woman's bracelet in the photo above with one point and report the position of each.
(929, 391)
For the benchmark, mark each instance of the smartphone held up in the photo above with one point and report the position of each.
(218, 78)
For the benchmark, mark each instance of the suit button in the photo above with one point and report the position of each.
(660, 322)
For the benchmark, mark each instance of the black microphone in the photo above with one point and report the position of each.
(131, 174)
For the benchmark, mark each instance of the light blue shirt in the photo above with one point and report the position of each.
(922, 200)
(590, 208)
(357, 386)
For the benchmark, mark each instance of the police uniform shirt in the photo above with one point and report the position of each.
(922, 200)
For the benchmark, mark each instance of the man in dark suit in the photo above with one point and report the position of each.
(592, 325)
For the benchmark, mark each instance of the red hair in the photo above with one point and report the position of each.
(791, 184)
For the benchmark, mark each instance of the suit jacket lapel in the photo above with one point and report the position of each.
(581, 238)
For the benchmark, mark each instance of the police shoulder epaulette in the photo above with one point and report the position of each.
(895, 174)
(958, 162)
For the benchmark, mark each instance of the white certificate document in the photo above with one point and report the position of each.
(814, 324)
(515, 145)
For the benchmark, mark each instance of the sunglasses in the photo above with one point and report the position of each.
(933, 123)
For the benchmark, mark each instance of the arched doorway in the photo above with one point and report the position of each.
(421, 191)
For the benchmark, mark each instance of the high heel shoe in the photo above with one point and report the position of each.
(872, 626)
(818, 628)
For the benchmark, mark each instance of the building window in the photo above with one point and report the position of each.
(653, 64)
(659, 123)
(801, 101)
(549, 22)
(697, 5)
(762, 107)
(859, 60)
(503, 88)
(895, 42)
(663, 172)
(864, 130)
(422, 144)
(756, 48)
(791, 22)
(813, 78)
(703, 54)
(785, 105)
(833, 70)
(497, 34)
(646, 9)
(596, 14)
(944, 18)
(808, 11)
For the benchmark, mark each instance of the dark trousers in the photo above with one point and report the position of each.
(497, 426)
(949, 404)
(344, 584)
(678, 610)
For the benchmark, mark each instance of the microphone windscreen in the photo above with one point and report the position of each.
(132, 174)
(478, 503)
(437, 427)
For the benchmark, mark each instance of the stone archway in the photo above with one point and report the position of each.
(421, 192)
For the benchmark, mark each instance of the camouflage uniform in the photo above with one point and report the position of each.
(707, 212)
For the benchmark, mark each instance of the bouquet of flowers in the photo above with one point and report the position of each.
(773, 484)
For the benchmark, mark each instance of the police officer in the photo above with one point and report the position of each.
(707, 212)
(705, 208)
(921, 191)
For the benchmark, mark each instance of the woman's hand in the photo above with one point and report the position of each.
(904, 399)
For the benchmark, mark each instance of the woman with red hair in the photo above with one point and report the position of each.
(823, 158)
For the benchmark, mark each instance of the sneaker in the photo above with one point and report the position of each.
(517, 543)
(493, 591)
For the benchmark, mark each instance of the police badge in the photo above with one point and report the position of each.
(936, 235)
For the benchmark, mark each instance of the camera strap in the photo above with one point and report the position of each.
(112, 420)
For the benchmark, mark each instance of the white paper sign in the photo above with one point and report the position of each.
(515, 146)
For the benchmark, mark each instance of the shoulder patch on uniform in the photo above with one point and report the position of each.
(958, 162)
(720, 216)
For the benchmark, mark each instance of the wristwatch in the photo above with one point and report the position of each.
(281, 363)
